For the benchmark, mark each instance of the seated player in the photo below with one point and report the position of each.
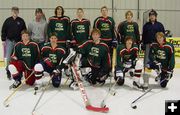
(162, 60)
(52, 56)
(127, 62)
(95, 55)
(25, 55)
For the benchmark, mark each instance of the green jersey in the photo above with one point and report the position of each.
(107, 28)
(124, 55)
(163, 54)
(97, 55)
(28, 53)
(129, 29)
(60, 25)
(56, 55)
(80, 30)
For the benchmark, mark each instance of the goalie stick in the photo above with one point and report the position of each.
(83, 92)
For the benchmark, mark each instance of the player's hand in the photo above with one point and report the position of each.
(114, 43)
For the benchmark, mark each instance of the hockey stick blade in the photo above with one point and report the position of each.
(97, 109)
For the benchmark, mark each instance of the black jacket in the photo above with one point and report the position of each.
(12, 28)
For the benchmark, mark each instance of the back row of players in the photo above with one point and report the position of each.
(95, 50)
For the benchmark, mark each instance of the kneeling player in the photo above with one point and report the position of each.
(52, 56)
(162, 60)
(95, 54)
(127, 62)
(25, 55)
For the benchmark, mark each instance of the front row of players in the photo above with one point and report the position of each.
(95, 63)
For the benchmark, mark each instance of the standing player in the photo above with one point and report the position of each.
(129, 28)
(149, 31)
(59, 24)
(162, 60)
(106, 25)
(25, 55)
(95, 54)
(127, 62)
(11, 34)
(52, 56)
(80, 28)
(38, 28)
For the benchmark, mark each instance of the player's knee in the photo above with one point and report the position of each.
(13, 70)
(56, 81)
(119, 78)
(139, 65)
(38, 68)
(164, 83)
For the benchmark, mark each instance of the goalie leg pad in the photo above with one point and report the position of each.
(38, 68)
(56, 81)
(120, 77)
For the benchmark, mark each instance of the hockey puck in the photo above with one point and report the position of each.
(134, 107)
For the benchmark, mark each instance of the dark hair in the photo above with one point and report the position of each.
(104, 7)
(153, 12)
(53, 34)
(38, 10)
(24, 32)
(15, 8)
(80, 9)
(128, 12)
(59, 7)
(128, 38)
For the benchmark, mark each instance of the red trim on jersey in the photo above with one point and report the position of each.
(106, 39)
(62, 50)
(85, 43)
(168, 46)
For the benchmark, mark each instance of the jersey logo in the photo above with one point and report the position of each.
(59, 27)
(161, 54)
(105, 27)
(130, 28)
(80, 29)
(26, 52)
(53, 58)
(94, 51)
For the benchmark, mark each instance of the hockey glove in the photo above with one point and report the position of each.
(114, 43)
(48, 62)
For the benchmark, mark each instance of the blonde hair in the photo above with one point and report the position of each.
(103, 8)
(128, 12)
(161, 34)
(95, 30)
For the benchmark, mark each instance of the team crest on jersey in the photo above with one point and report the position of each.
(80, 29)
(59, 27)
(105, 26)
(94, 51)
(53, 58)
(161, 54)
(26, 52)
(130, 28)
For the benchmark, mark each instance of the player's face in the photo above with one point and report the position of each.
(59, 11)
(160, 39)
(15, 13)
(129, 17)
(95, 36)
(80, 13)
(152, 18)
(25, 37)
(53, 39)
(129, 44)
(38, 15)
(104, 12)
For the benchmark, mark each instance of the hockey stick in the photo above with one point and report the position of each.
(84, 94)
(40, 97)
(113, 64)
(5, 103)
(135, 106)
(111, 91)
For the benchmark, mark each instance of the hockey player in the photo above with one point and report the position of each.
(106, 25)
(162, 60)
(80, 28)
(52, 56)
(95, 54)
(127, 62)
(59, 24)
(25, 55)
(129, 28)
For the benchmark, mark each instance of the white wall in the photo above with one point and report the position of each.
(168, 10)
